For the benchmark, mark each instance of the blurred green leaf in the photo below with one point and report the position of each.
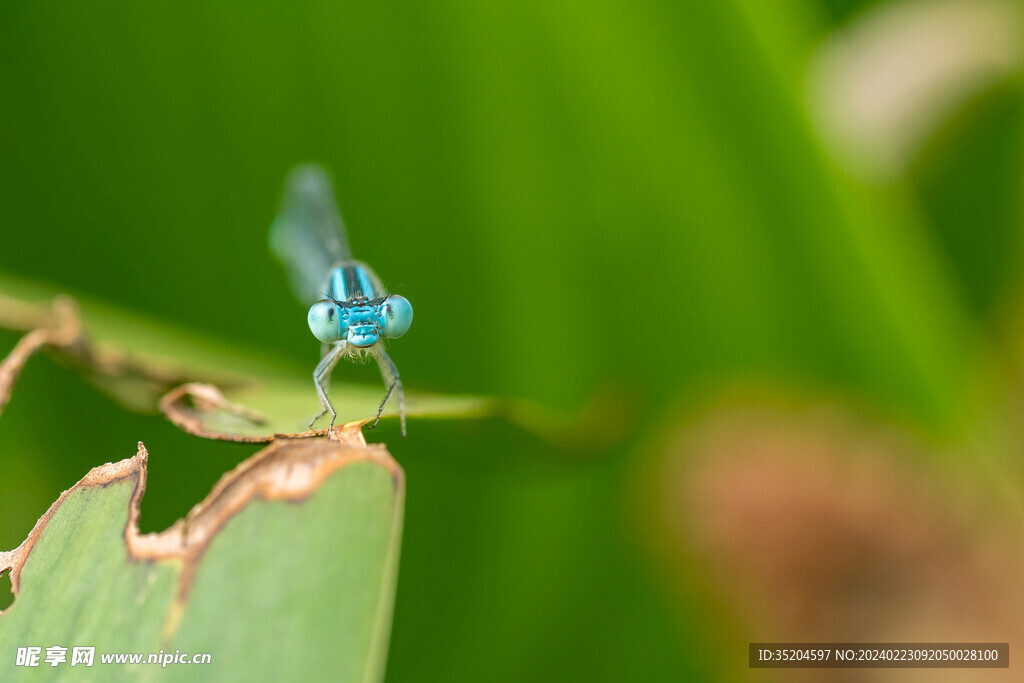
(969, 182)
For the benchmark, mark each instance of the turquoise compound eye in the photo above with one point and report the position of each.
(397, 316)
(324, 321)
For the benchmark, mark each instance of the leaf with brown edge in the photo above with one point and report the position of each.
(150, 366)
(61, 328)
(286, 570)
(203, 410)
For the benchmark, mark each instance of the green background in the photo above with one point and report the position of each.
(581, 199)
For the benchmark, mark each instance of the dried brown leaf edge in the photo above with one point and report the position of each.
(286, 470)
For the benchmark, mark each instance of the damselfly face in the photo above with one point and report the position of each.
(360, 323)
(363, 326)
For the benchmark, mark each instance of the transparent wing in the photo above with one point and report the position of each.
(308, 234)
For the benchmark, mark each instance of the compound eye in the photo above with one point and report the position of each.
(324, 321)
(397, 314)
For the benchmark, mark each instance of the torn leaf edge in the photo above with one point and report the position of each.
(286, 470)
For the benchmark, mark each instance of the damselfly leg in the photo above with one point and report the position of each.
(322, 378)
(389, 373)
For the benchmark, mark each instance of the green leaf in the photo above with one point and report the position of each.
(139, 360)
(286, 571)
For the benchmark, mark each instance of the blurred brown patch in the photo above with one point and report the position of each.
(817, 527)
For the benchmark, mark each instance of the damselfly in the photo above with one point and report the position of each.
(352, 313)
